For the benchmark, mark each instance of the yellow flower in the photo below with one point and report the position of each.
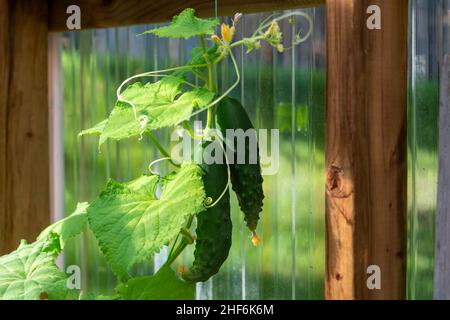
(227, 33)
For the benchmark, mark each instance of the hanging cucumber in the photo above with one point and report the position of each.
(213, 233)
(246, 178)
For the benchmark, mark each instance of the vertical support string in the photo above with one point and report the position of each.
(293, 163)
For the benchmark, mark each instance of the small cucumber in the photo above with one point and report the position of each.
(214, 228)
(246, 179)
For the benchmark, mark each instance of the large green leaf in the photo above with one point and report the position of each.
(30, 271)
(70, 226)
(158, 103)
(131, 223)
(186, 25)
(163, 285)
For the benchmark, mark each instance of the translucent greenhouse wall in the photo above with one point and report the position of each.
(429, 42)
(285, 91)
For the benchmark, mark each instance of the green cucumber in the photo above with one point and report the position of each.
(246, 179)
(214, 228)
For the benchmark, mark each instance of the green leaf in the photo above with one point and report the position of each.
(97, 129)
(157, 103)
(30, 271)
(68, 227)
(198, 56)
(186, 25)
(146, 184)
(90, 296)
(131, 224)
(163, 285)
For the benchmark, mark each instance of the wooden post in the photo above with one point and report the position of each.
(442, 252)
(24, 134)
(366, 144)
(4, 72)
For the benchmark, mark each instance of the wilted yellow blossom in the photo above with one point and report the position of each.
(181, 269)
(216, 39)
(236, 18)
(256, 240)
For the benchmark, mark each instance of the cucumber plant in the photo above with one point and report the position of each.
(133, 220)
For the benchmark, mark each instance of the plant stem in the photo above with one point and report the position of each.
(157, 144)
(242, 42)
(173, 246)
(159, 147)
(211, 87)
(187, 236)
(188, 128)
(200, 75)
(183, 244)
(224, 94)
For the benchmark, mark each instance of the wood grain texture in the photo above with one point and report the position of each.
(4, 74)
(442, 244)
(25, 182)
(115, 13)
(366, 144)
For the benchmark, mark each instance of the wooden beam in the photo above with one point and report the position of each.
(117, 13)
(366, 149)
(24, 159)
(442, 251)
(4, 74)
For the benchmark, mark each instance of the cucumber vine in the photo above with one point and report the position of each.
(133, 220)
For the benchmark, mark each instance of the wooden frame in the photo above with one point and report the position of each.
(366, 149)
(102, 14)
(366, 125)
(24, 137)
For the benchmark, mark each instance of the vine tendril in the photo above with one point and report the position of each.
(155, 73)
(208, 202)
(238, 79)
(156, 161)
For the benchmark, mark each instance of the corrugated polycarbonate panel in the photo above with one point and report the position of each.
(279, 91)
(429, 42)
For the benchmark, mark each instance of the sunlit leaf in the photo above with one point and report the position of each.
(157, 105)
(186, 25)
(30, 273)
(70, 226)
(164, 285)
(131, 223)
